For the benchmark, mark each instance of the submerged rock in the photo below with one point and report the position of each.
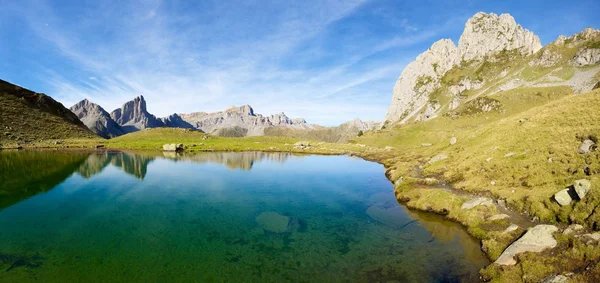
(535, 240)
(476, 202)
(273, 221)
(390, 216)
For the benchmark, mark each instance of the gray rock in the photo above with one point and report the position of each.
(511, 228)
(510, 154)
(535, 240)
(426, 144)
(556, 279)
(437, 158)
(572, 229)
(589, 239)
(476, 202)
(452, 140)
(587, 146)
(173, 147)
(388, 148)
(586, 56)
(582, 187)
(563, 198)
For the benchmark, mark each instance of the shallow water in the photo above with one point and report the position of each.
(217, 217)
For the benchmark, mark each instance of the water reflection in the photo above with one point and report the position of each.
(184, 217)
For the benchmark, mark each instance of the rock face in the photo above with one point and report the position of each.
(96, 119)
(133, 116)
(586, 57)
(241, 118)
(487, 34)
(535, 240)
(484, 35)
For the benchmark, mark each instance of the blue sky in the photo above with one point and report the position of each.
(326, 61)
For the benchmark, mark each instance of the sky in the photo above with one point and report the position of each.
(327, 61)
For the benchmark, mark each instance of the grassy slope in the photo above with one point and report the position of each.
(27, 116)
(536, 124)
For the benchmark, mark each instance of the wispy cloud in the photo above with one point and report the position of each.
(218, 55)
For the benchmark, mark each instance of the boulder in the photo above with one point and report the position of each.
(452, 140)
(535, 240)
(563, 197)
(173, 147)
(476, 202)
(572, 229)
(582, 187)
(273, 222)
(437, 158)
(589, 239)
(587, 146)
(511, 228)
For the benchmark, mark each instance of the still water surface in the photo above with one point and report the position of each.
(250, 216)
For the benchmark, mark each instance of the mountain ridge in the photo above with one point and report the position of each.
(446, 75)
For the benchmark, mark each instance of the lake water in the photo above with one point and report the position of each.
(250, 216)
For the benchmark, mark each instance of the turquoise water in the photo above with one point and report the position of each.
(261, 217)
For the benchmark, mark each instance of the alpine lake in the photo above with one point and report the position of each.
(113, 216)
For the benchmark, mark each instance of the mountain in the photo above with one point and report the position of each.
(494, 54)
(133, 116)
(240, 121)
(97, 119)
(341, 133)
(27, 116)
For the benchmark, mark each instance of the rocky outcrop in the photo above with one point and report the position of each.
(535, 240)
(586, 57)
(476, 202)
(484, 36)
(96, 119)
(488, 34)
(173, 147)
(243, 119)
(133, 116)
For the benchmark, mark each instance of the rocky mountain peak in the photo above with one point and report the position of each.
(134, 116)
(486, 34)
(96, 119)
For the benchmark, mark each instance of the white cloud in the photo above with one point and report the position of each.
(183, 65)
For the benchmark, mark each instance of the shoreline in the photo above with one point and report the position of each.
(418, 195)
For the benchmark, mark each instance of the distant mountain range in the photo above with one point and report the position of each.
(235, 122)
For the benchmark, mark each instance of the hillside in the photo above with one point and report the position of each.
(446, 76)
(341, 133)
(28, 116)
